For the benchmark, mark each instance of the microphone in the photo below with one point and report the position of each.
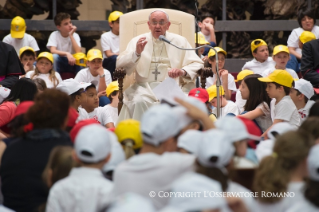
(163, 38)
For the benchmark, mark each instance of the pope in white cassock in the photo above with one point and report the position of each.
(153, 60)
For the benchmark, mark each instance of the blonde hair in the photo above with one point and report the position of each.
(52, 76)
(128, 148)
(274, 172)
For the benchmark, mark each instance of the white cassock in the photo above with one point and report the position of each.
(156, 55)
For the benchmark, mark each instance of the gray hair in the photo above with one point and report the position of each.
(158, 10)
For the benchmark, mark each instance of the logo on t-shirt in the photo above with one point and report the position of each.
(302, 114)
(96, 119)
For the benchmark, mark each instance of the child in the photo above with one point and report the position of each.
(280, 56)
(110, 42)
(96, 72)
(18, 38)
(44, 70)
(91, 106)
(282, 107)
(112, 92)
(63, 43)
(240, 102)
(300, 95)
(227, 80)
(206, 25)
(261, 60)
(27, 58)
(85, 189)
(226, 106)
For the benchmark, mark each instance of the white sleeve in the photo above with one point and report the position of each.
(232, 108)
(246, 66)
(80, 76)
(53, 202)
(231, 83)
(283, 111)
(77, 39)
(106, 116)
(7, 39)
(108, 78)
(293, 39)
(104, 42)
(52, 40)
(28, 74)
(33, 43)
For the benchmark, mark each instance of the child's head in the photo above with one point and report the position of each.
(279, 83)
(221, 57)
(281, 56)
(63, 22)
(200, 42)
(254, 91)
(114, 21)
(307, 19)
(92, 101)
(112, 92)
(305, 37)
(23, 90)
(94, 59)
(212, 92)
(259, 49)
(302, 91)
(40, 83)
(205, 19)
(18, 27)
(242, 74)
(44, 63)
(27, 55)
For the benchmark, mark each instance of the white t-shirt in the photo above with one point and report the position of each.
(293, 39)
(61, 43)
(207, 37)
(264, 121)
(110, 41)
(85, 75)
(285, 110)
(45, 77)
(264, 148)
(303, 112)
(270, 70)
(27, 40)
(231, 82)
(82, 115)
(151, 172)
(240, 102)
(113, 113)
(230, 107)
(4, 93)
(101, 115)
(258, 67)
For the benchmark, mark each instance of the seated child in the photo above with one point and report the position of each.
(227, 80)
(44, 70)
(240, 102)
(206, 25)
(261, 60)
(280, 56)
(282, 107)
(226, 106)
(300, 95)
(112, 92)
(27, 57)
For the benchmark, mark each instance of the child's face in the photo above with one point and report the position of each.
(92, 99)
(294, 95)
(65, 26)
(262, 53)
(281, 59)
(115, 25)
(307, 23)
(221, 62)
(27, 60)
(94, 64)
(214, 102)
(244, 90)
(271, 90)
(204, 25)
(44, 65)
(83, 97)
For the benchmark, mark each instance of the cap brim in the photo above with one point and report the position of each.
(85, 85)
(265, 79)
(94, 57)
(16, 34)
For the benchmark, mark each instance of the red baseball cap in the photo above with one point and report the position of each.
(252, 129)
(75, 130)
(199, 93)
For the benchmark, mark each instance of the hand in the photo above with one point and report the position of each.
(72, 30)
(209, 27)
(140, 45)
(100, 71)
(71, 59)
(101, 93)
(204, 58)
(27, 67)
(223, 73)
(175, 72)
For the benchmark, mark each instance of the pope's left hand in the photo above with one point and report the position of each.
(175, 72)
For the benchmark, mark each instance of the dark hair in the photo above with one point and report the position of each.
(90, 86)
(312, 192)
(308, 12)
(114, 93)
(24, 90)
(77, 93)
(256, 42)
(27, 53)
(206, 15)
(314, 110)
(60, 17)
(257, 92)
(50, 109)
(311, 126)
(299, 93)
(16, 125)
(286, 89)
(40, 83)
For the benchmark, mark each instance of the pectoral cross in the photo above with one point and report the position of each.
(156, 73)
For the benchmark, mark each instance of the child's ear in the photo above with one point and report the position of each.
(200, 25)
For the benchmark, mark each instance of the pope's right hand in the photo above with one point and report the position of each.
(140, 45)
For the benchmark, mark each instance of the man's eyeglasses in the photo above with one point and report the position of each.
(161, 23)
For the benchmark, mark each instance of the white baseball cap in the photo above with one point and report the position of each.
(190, 140)
(304, 87)
(279, 128)
(117, 154)
(313, 163)
(4, 93)
(190, 183)
(158, 124)
(70, 86)
(92, 143)
(234, 128)
(215, 144)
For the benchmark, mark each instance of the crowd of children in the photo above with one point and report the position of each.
(62, 147)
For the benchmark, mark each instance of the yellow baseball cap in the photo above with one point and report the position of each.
(93, 54)
(242, 74)
(201, 39)
(47, 55)
(306, 36)
(282, 77)
(114, 16)
(280, 48)
(212, 92)
(256, 43)
(113, 86)
(18, 27)
(26, 48)
(129, 129)
(80, 59)
(218, 49)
